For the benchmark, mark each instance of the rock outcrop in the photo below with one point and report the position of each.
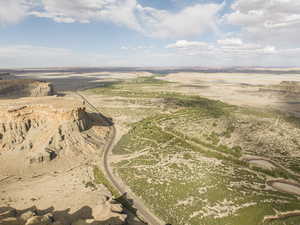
(48, 146)
(46, 130)
(25, 88)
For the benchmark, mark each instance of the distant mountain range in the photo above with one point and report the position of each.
(158, 70)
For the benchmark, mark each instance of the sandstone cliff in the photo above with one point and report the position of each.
(49, 146)
(49, 128)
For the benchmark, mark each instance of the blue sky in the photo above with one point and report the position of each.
(214, 33)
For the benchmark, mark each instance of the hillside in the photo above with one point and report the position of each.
(49, 149)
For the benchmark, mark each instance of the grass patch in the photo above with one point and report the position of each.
(101, 179)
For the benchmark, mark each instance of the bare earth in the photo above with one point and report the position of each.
(64, 186)
(238, 89)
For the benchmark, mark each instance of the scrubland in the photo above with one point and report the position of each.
(195, 160)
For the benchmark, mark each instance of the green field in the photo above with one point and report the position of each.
(186, 156)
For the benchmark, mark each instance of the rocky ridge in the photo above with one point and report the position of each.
(48, 149)
(46, 131)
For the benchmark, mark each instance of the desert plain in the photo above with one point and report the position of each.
(192, 147)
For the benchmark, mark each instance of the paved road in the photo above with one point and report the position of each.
(142, 211)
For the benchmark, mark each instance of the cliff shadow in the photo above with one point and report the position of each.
(72, 82)
(11, 216)
(98, 119)
(132, 212)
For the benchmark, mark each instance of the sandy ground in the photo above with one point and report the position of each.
(262, 164)
(64, 187)
(60, 184)
(238, 89)
(51, 101)
(55, 192)
(287, 187)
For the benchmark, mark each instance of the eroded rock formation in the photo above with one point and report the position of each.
(46, 130)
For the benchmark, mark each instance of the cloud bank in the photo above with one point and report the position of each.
(190, 21)
(276, 21)
(14, 11)
(257, 32)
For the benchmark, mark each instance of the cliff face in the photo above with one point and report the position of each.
(25, 88)
(49, 146)
(46, 131)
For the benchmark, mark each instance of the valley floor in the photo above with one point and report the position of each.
(194, 159)
(200, 161)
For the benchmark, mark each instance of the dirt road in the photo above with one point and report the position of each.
(142, 211)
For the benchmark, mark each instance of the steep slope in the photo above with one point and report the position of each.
(46, 128)
(48, 149)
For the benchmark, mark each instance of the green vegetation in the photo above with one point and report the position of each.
(101, 179)
(151, 80)
(189, 169)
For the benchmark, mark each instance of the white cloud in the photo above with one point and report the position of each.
(191, 47)
(183, 44)
(270, 32)
(232, 52)
(191, 20)
(198, 55)
(84, 11)
(230, 41)
(231, 46)
(276, 21)
(137, 48)
(13, 11)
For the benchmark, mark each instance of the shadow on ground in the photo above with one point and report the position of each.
(9, 216)
(64, 83)
(131, 211)
(99, 119)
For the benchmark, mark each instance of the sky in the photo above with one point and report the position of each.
(97, 33)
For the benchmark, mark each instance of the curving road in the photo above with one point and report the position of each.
(142, 211)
